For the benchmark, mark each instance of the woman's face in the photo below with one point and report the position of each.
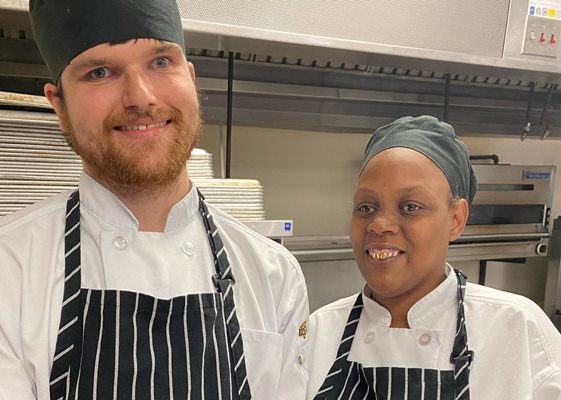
(403, 219)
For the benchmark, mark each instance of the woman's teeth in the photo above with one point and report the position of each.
(383, 254)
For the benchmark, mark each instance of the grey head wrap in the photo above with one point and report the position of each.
(434, 139)
(65, 28)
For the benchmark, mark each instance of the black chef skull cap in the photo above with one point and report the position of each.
(65, 28)
(436, 140)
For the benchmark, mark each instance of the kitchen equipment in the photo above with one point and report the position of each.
(509, 219)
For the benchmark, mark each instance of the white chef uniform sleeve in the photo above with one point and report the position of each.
(293, 312)
(545, 357)
(550, 389)
(15, 382)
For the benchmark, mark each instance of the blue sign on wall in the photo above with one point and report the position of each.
(536, 175)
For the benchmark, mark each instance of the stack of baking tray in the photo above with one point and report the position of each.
(35, 160)
(241, 198)
(36, 163)
(200, 164)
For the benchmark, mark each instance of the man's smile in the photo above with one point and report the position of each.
(142, 127)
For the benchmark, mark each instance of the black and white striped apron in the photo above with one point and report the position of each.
(349, 380)
(115, 344)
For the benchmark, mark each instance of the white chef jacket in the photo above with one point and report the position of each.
(270, 291)
(517, 348)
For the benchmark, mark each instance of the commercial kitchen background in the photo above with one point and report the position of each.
(330, 72)
(309, 176)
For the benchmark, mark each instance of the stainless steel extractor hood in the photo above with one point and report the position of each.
(485, 39)
(350, 65)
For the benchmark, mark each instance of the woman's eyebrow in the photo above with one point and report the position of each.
(412, 189)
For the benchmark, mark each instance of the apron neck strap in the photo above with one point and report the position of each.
(224, 280)
(223, 277)
(461, 356)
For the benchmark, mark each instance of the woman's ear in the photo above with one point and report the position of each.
(459, 214)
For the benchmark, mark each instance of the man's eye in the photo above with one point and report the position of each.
(98, 73)
(161, 62)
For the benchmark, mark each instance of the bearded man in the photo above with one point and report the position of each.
(132, 286)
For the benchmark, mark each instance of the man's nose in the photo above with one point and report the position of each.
(138, 91)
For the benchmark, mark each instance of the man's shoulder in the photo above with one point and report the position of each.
(337, 309)
(243, 234)
(38, 215)
(257, 254)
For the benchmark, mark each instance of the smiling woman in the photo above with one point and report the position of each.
(417, 330)
(401, 226)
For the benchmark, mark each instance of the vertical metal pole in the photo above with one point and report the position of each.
(229, 113)
(222, 137)
(446, 97)
(482, 271)
(543, 121)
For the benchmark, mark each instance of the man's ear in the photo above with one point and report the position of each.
(191, 70)
(459, 216)
(50, 93)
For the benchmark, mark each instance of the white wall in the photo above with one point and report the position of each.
(310, 177)
(307, 176)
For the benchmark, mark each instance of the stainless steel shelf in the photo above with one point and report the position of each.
(334, 248)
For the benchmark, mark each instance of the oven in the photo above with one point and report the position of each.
(510, 214)
(509, 218)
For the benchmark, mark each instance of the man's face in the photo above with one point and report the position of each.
(131, 111)
(402, 222)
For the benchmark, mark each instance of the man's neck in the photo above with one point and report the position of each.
(151, 208)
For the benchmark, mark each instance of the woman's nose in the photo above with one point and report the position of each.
(383, 223)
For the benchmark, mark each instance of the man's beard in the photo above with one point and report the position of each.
(124, 169)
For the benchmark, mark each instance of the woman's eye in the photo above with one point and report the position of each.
(364, 208)
(411, 208)
(161, 62)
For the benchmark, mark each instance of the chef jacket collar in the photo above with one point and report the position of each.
(103, 204)
(423, 312)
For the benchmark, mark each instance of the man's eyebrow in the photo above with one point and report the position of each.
(165, 47)
(89, 64)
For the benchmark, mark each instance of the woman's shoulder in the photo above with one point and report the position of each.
(499, 322)
(478, 294)
(512, 311)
